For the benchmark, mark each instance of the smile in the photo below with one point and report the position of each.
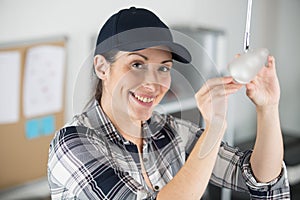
(143, 99)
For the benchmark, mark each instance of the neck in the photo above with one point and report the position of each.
(130, 129)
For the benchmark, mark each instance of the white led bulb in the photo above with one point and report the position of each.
(244, 68)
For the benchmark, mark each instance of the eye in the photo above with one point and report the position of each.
(164, 69)
(138, 65)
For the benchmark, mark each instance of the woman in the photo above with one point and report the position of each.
(120, 149)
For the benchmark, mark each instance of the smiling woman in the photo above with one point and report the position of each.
(119, 148)
(135, 83)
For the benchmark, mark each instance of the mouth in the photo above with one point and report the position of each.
(144, 100)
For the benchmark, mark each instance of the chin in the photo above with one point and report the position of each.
(141, 116)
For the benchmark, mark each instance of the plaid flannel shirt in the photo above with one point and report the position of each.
(89, 159)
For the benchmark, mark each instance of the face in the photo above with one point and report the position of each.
(136, 82)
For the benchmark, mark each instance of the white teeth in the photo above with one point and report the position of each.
(143, 99)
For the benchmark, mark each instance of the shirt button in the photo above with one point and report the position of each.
(156, 187)
(145, 159)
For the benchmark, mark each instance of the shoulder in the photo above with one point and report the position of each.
(184, 129)
(178, 124)
(75, 138)
(71, 132)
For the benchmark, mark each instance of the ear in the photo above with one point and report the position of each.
(101, 67)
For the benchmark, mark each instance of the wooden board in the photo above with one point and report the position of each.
(24, 159)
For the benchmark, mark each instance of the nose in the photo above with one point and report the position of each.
(151, 79)
(150, 87)
(151, 76)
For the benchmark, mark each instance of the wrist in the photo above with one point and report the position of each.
(267, 108)
(217, 123)
(211, 138)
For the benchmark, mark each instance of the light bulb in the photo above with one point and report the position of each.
(244, 68)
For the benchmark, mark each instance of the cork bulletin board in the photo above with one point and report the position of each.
(32, 109)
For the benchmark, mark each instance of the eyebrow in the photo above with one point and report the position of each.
(146, 58)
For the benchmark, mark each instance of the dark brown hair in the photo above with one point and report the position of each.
(111, 58)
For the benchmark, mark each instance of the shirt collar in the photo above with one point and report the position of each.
(99, 121)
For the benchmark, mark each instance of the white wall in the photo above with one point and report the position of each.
(78, 20)
(274, 26)
(288, 54)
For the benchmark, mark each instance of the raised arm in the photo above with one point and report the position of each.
(192, 179)
(267, 156)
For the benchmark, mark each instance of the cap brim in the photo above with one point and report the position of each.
(179, 52)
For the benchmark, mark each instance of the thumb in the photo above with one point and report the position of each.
(237, 55)
(250, 89)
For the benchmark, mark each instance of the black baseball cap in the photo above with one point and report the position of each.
(135, 29)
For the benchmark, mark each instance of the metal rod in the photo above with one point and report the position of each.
(247, 29)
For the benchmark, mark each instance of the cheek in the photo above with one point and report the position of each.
(126, 81)
(132, 79)
(166, 82)
(165, 85)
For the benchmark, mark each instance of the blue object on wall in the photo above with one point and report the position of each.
(40, 127)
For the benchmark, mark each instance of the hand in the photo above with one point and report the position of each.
(264, 90)
(212, 98)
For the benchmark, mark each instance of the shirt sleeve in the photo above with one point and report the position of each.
(188, 132)
(233, 170)
(78, 168)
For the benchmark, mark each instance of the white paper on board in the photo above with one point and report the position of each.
(9, 86)
(43, 81)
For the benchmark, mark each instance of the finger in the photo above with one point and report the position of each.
(214, 103)
(237, 55)
(218, 92)
(219, 81)
(250, 89)
(222, 90)
(230, 89)
(250, 86)
(208, 85)
(233, 90)
(271, 62)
